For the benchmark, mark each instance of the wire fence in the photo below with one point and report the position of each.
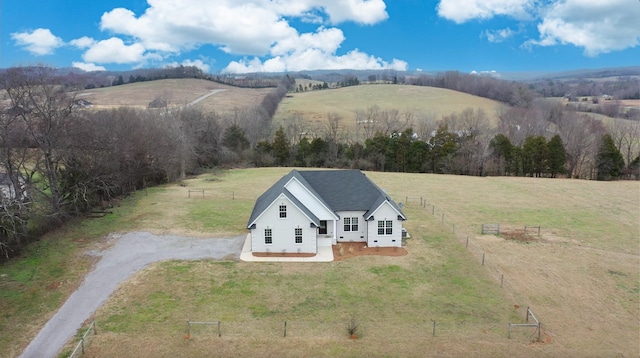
(85, 340)
(366, 328)
(463, 234)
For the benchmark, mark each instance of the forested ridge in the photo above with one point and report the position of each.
(59, 160)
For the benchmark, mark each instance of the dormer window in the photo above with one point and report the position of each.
(283, 211)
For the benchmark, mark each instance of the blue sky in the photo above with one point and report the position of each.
(295, 35)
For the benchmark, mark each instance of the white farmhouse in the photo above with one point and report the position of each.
(307, 209)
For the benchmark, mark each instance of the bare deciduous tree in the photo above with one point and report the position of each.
(367, 122)
(519, 123)
(295, 128)
(626, 136)
(390, 121)
(581, 135)
(39, 101)
(331, 133)
(425, 125)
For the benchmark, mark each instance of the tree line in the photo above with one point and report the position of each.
(58, 160)
(465, 144)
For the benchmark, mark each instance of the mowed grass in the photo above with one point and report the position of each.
(314, 106)
(177, 92)
(580, 277)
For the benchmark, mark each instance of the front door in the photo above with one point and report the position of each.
(322, 230)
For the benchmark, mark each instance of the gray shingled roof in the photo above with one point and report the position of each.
(340, 190)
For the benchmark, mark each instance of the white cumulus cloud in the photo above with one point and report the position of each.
(195, 63)
(256, 28)
(366, 12)
(89, 67)
(596, 26)
(461, 11)
(311, 51)
(262, 29)
(498, 35)
(39, 41)
(114, 50)
(238, 27)
(315, 59)
(82, 42)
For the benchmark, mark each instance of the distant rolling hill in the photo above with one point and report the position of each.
(314, 106)
(177, 92)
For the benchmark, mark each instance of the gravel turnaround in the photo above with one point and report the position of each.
(131, 253)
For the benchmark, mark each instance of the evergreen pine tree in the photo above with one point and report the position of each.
(557, 156)
(609, 161)
(281, 148)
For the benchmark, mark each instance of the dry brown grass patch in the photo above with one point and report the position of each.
(360, 249)
(178, 92)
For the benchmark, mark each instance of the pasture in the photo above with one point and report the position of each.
(580, 276)
(177, 93)
(314, 106)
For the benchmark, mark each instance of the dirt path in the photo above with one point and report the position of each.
(131, 253)
(201, 98)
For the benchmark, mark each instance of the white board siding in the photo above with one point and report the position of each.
(384, 212)
(283, 230)
(307, 199)
(352, 236)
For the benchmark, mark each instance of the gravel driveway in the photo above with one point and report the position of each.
(131, 253)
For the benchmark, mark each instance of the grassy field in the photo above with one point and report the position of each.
(580, 276)
(178, 92)
(315, 105)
